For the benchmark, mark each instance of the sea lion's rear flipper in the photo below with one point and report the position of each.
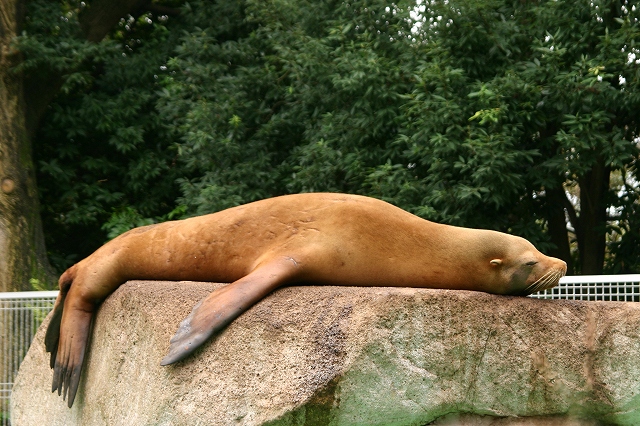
(224, 305)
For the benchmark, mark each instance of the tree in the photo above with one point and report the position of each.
(511, 116)
(287, 96)
(106, 160)
(26, 91)
(518, 117)
(553, 83)
(22, 254)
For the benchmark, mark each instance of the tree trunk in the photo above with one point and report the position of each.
(22, 252)
(557, 225)
(593, 218)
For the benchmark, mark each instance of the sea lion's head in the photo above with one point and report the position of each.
(523, 270)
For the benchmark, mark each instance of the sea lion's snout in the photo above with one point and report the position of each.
(550, 276)
(563, 268)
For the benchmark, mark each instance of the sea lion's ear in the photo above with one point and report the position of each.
(496, 262)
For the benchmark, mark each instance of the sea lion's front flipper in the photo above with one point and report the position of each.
(52, 335)
(67, 335)
(72, 345)
(223, 306)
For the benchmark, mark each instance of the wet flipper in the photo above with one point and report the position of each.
(70, 355)
(66, 338)
(223, 306)
(52, 336)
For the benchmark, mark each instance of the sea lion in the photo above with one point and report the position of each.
(335, 239)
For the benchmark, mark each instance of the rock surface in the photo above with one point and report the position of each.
(350, 356)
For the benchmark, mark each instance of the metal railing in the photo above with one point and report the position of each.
(609, 288)
(20, 316)
(22, 312)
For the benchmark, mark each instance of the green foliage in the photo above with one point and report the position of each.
(38, 285)
(123, 220)
(52, 42)
(519, 98)
(106, 161)
(293, 96)
(472, 113)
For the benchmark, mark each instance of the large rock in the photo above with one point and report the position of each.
(350, 356)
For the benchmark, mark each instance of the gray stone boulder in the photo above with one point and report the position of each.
(312, 355)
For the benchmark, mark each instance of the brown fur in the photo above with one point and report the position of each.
(332, 239)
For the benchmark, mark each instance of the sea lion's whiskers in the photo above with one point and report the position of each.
(532, 288)
(548, 280)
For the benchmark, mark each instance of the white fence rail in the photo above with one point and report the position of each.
(22, 312)
(20, 316)
(617, 288)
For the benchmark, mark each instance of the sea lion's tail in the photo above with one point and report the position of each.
(66, 338)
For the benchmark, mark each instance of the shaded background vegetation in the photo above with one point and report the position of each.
(515, 116)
